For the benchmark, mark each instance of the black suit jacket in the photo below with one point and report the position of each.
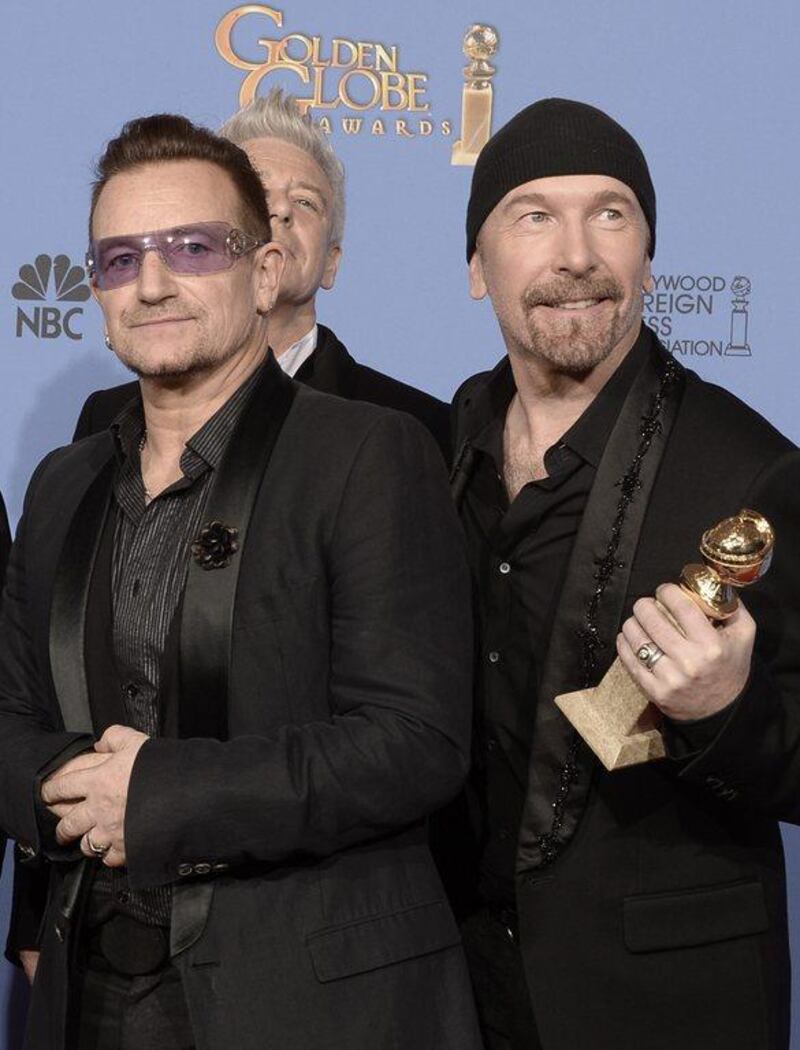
(330, 369)
(652, 910)
(324, 691)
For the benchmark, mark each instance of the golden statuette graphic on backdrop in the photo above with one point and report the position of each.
(480, 44)
(616, 719)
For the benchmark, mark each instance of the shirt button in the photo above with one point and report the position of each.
(123, 896)
(131, 691)
(494, 656)
(505, 568)
(491, 743)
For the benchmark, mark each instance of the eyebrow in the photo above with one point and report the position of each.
(265, 171)
(597, 199)
(309, 187)
(611, 197)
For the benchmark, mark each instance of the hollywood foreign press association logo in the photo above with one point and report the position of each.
(701, 315)
(46, 279)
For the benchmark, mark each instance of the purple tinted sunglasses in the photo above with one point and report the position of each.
(197, 248)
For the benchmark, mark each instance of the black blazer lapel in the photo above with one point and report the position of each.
(591, 605)
(209, 596)
(330, 369)
(69, 601)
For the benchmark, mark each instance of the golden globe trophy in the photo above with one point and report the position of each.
(480, 44)
(616, 719)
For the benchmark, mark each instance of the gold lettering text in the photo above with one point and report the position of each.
(386, 58)
(417, 84)
(340, 47)
(344, 89)
(224, 33)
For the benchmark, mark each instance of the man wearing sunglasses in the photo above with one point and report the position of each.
(232, 664)
(304, 180)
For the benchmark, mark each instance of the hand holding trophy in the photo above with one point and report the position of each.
(617, 719)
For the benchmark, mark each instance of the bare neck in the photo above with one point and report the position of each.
(173, 411)
(289, 322)
(549, 401)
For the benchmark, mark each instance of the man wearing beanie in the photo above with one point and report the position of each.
(643, 908)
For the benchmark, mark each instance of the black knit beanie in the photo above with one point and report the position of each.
(556, 136)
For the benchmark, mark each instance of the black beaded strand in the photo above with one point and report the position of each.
(549, 843)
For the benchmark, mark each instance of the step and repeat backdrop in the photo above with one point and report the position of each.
(709, 90)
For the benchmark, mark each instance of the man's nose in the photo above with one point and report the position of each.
(575, 252)
(155, 280)
(280, 207)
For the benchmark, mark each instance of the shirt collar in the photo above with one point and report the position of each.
(591, 430)
(204, 448)
(589, 433)
(295, 357)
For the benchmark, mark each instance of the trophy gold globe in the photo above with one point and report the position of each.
(480, 44)
(616, 718)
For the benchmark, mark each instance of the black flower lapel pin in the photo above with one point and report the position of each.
(215, 546)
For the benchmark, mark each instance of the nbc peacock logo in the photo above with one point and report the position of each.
(50, 278)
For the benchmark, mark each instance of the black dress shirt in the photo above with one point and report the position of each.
(519, 554)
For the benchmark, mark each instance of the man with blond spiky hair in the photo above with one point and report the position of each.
(304, 180)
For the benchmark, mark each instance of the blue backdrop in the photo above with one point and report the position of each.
(708, 89)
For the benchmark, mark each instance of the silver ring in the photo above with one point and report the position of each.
(649, 654)
(97, 851)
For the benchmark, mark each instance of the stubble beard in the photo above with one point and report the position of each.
(169, 364)
(576, 345)
(198, 361)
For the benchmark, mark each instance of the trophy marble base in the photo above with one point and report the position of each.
(463, 156)
(616, 719)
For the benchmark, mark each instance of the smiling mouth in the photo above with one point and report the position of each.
(576, 304)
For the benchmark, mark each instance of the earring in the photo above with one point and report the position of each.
(107, 341)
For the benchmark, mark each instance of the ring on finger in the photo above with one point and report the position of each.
(649, 654)
(97, 851)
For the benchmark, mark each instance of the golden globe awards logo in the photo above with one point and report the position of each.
(332, 77)
(701, 315)
(50, 277)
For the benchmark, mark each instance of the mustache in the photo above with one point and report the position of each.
(555, 292)
(132, 318)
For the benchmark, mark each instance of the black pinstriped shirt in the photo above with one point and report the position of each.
(150, 558)
(151, 549)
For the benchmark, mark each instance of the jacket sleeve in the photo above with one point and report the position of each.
(27, 908)
(396, 743)
(31, 734)
(754, 759)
